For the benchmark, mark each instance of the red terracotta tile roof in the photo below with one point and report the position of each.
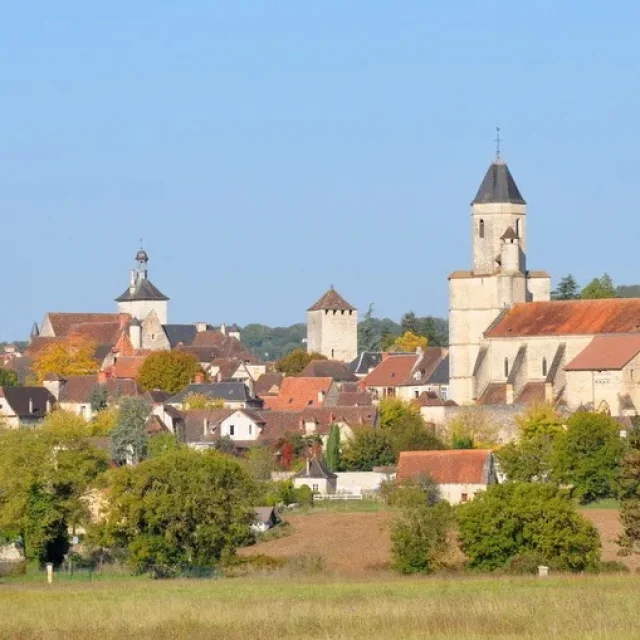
(354, 399)
(464, 466)
(62, 322)
(299, 393)
(97, 332)
(568, 317)
(606, 353)
(267, 382)
(331, 300)
(128, 366)
(391, 372)
(38, 344)
(77, 389)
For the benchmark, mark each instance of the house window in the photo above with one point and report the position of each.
(315, 488)
(416, 393)
(464, 497)
(232, 430)
(481, 229)
(250, 429)
(544, 367)
(506, 367)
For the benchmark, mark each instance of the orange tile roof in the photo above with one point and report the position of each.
(568, 317)
(495, 393)
(532, 393)
(62, 322)
(463, 466)
(391, 372)
(606, 353)
(331, 300)
(299, 393)
(128, 366)
(97, 332)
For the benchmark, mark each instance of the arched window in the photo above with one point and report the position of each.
(544, 367)
(481, 229)
(506, 367)
(518, 227)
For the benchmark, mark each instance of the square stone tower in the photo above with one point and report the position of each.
(499, 277)
(332, 327)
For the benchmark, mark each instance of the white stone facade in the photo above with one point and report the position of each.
(333, 333)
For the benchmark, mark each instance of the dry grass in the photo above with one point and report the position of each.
(558, 608)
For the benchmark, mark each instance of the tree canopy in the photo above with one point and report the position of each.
(511, 520)
(602, 287)
(567, 289)
(295, 362)
(129, 437)
(368, 449)
(183, 509)
(169, 371)
(70, 357)
(8, 378)
(410, 342)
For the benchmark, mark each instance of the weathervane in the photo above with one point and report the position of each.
(498, 141)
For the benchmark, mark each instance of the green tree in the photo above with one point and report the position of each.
(405, 428)
(366, 450)
(129, 438)
(169, 371)
(366, 333)
(333, 448)
(294, 363)
(509, 520)
(529, 459)
(161, 444)
(260, 462)
(224, 445)
(410, 323)
(588, 456)
(184, 509)
(630, 493)
(600, 288)
(567, 289)
(98, 398)
(8, 378)
(419, 537)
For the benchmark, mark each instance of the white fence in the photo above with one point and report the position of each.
(337, 496)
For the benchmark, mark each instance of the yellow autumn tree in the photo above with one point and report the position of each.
(410, 342)
(70, 357)
(202, 401)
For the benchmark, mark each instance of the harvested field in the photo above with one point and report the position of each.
(350, 544)
(608, 523)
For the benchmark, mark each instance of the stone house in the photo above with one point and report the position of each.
(24, 406)
(459, 474)
(332, 327)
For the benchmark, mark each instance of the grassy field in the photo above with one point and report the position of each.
(266, 608)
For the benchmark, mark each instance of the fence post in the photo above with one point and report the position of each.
(50, 572)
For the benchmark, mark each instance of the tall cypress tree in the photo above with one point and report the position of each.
(333, 448)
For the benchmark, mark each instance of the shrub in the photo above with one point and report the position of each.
(512, 519)
(419, 537)
(366, 450)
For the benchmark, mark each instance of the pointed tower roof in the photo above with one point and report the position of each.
(144, 290)
(498, 185)
(331, 300)
(35, 331)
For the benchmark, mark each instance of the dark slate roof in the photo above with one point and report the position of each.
(328, 369)
(440, 374)
(144, 290)
(498, 186)
(316, 469)
(331, 300)
(18, 399)
(177, 333)
(228, 391)
(369, 360)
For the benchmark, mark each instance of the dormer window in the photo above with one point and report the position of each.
(481, 229)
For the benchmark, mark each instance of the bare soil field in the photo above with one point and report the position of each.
(357, 544)
(350, 544)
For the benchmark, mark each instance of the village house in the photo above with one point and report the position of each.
(297, 393)
(317, 477)
(234, 395)
(24, 406)
(407, 376)
(459, 473)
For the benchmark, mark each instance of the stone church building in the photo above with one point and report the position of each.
(509, 344)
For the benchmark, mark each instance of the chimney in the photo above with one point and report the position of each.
(201, 326)
(102, 377)
(199, 378)
(223, 329)
(321, 395)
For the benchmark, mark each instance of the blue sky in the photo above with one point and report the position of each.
(265, 150)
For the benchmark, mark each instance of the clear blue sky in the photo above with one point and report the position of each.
(265, 150)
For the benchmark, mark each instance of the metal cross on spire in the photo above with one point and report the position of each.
(498, 141)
